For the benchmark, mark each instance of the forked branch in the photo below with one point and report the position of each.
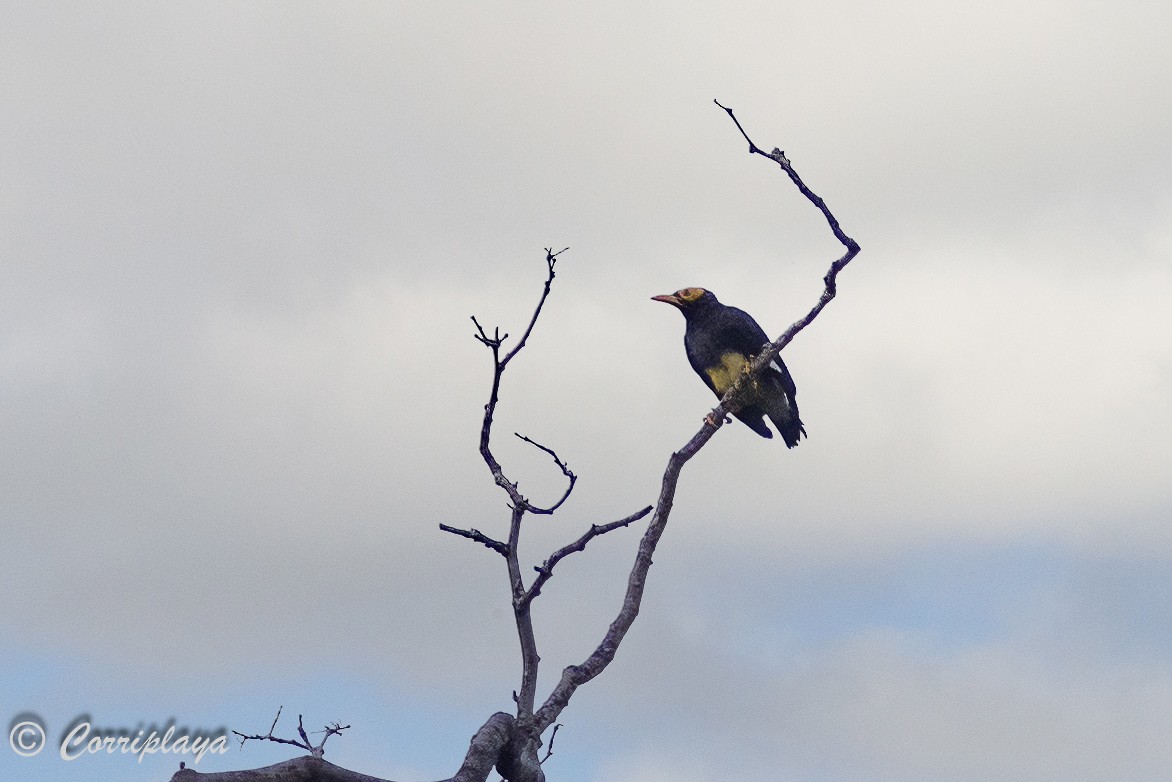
(566, 471)
(520, 762)
(545, 569)
(495, 343)
(316, 750)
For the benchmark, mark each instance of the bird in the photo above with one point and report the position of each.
(720, 341)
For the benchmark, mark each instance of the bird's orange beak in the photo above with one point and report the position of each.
(668, 298)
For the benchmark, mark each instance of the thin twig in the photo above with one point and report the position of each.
(545, 569)
(493, 341)
(753, 148)
(552, 736)
(317, 750)
(301, 730)
(566, 471)
(778, 157)
(551, 259)
(479, 537)
(274, 725)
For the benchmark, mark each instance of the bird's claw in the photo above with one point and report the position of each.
(711, 420)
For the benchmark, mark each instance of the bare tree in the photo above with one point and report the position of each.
(511, 743)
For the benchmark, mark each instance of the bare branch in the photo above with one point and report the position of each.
(552, 736)
(305, 768)
(777, 156)
(530, 659)
(484, 752)
(494, 343)
(479, 537)
(301, 730)
(273, 726)
(317, 750)
(331, 730)
(565, 471)
(520, 761)
(753, 148)
(545, 569)
(550, 261)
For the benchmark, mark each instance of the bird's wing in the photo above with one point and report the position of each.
(749, 338)
(700, 365)
(779, 371)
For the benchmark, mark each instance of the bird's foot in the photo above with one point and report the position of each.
(711, 420)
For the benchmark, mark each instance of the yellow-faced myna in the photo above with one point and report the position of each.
(720, 341)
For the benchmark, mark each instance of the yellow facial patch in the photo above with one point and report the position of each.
(731, 366)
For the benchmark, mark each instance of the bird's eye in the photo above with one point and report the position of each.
(691, 294)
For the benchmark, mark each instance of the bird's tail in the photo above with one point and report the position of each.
(784, 415)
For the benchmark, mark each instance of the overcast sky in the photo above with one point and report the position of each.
(240, 246)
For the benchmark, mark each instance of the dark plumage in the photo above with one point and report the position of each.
(720, 341)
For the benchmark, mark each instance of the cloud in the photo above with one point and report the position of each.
(1037, 695)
